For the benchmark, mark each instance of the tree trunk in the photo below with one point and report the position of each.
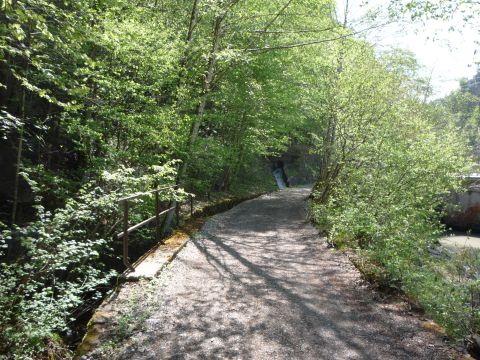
(217, 33)
(329, 165)
(18, 163)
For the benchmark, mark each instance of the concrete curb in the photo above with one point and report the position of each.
(106, 313)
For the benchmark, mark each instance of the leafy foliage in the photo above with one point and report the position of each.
(94, 95)
(55, 267)
(464, 106)
(391, 164)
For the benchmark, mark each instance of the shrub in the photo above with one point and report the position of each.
(56, 264)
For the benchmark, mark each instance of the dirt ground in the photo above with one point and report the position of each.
(258, 282)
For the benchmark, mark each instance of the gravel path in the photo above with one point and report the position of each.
(260, 283)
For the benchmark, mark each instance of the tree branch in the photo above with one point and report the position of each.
(277, 15)
(293, 31)
(313, 42)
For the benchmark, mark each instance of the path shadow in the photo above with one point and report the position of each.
(260, 283)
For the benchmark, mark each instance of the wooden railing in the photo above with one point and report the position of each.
(127, 229)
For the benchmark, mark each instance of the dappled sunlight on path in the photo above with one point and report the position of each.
(259, 283)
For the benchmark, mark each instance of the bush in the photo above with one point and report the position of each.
(387, 211)
(56, 264)
(386, 172)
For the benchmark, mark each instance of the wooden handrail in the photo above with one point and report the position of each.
(124, 202)
(145, 222)
(131, 197)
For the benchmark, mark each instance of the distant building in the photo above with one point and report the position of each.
(465, 210)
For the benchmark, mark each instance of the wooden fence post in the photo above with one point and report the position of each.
(125, 235)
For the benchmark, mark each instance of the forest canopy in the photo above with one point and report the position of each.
(100, 99)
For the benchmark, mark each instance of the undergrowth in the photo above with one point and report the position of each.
(445, 284)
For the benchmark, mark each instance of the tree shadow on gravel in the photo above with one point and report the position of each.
(250, 291)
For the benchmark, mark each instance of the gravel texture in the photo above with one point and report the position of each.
(260, 283)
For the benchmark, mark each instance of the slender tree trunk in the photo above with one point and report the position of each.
(217, 34)
(206, 87)
(236, 162)
(6, 77)
(193, 21)
(18, 163)
(188, 40)
(330, 166)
